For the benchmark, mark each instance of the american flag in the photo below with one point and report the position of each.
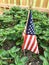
(30, 40)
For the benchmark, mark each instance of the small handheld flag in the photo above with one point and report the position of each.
(30, 40)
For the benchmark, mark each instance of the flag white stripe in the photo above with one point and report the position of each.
(31, 42)
(35, 44)
(27, 41)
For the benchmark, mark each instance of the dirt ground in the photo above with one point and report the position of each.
(33, 59)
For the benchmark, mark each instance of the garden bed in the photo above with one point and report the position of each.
(12, 24)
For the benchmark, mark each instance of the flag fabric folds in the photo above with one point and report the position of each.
(30, 40)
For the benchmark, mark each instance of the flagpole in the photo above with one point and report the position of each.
(30, 4)
(30, 7)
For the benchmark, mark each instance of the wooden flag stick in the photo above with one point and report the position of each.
(30, 6)
(26, 28)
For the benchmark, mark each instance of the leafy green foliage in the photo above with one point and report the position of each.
(12, 56)
(45, 62)
(13, 21)
(45, 58)
(12, 24)
(20, 62)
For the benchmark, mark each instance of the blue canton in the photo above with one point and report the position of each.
(30, 25)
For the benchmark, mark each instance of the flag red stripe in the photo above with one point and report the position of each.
(29, 41)
(35, 44)
(35, 49)
(32, 43)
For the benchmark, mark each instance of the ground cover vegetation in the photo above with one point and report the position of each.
(12, 24)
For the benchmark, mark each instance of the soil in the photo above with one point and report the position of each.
(8, 44)
(33, 59)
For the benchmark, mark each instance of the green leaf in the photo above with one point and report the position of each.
(42, 58)
(46, 54)
(24, 59)
(2, 52)
(45, 62)
(13, 51)
(17, 59)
